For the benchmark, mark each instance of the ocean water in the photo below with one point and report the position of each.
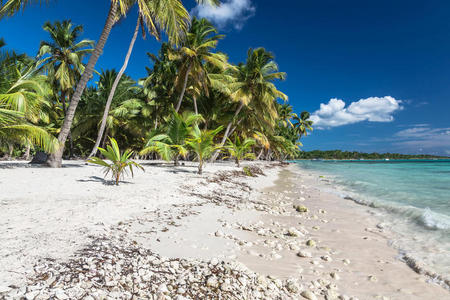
(412, 198)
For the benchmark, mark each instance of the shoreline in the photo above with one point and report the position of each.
(343, 249)
(206, 225)
(387, 224)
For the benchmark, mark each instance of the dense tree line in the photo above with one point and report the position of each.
(193, 103)
(338, 154)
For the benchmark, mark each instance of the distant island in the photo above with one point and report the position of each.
(338, 154)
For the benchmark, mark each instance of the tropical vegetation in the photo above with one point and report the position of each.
(240, 150)
(193, 104)
(339, 154)
(119, 162)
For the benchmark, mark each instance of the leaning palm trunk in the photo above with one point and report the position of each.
(63, 101)
(260, 154)
(55, 159)
(227, 133)
(195, 105)
(234, 128)
(113, 90)
(183, 90)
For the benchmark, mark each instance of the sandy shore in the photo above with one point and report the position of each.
(350, 242)
(54, 219)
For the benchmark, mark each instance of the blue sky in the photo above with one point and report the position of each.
(374, 74)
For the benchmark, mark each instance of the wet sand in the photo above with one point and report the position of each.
(347, 235)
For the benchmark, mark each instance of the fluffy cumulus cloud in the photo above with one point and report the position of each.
(230, 12)
(374, 109)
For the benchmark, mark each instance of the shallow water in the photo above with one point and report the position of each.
(412, 197)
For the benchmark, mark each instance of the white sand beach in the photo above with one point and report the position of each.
(184, 225)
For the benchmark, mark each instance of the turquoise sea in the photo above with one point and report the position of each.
(412, 197)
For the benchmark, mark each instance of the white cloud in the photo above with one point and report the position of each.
(234, 12)
(373, 109)
(424, 137)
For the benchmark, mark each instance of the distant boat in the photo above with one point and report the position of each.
(386, 159)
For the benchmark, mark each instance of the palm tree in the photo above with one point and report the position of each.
(23, 103)
(171, 144)
(125, 106)
(158, 86)
(281, 147)
(254, 85)
(159, 15)
(119, 161)
(14, 128)
(62, 57)
(303, 123)
(195, 51)
(240, 149)
(285, 114)
(202, 143)
(113, 89)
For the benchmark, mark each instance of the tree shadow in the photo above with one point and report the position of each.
(103, 181)
(25, 165)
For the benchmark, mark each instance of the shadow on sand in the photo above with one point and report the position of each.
(13, 165)
(103, 181)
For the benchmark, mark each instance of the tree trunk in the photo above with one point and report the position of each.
(55, 159)
(269, 155)
(195, 105)
(63, 101)
(227, 133)
(175, 161)
(186, 76)
(26, 156)
(237, 162)
(10, 150)
(234, 128)
(260, 154)
(200, 167)
(70, 145)
(113, 89)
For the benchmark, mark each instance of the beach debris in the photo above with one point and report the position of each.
(294, 232)
(113, 267)
(372, 278)
(310, 243)
(326, 258)
(335, 275)
(303, 253)
(301, 208)
(381, 225)
(331, 294)
(346, 261)
(294, 247)
(308, 295)
(292, 286)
